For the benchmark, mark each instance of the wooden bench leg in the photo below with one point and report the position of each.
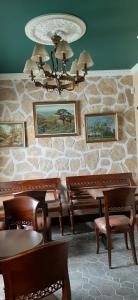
(61, 223)
(72, 220)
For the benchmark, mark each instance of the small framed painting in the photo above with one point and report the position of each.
(12, 134)
(101, 127)
(56, 118)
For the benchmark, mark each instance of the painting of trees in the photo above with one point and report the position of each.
(12, 134)
(55, 119)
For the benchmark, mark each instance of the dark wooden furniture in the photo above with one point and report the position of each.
(2, 223)
(26, 212)
(119, 199)
(136, 202)
(13, 241)
(80, 199)
(38, 272)
(49, 185)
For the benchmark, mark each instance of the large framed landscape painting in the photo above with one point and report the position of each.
(12, 134)
(101, 127)
(56, 118)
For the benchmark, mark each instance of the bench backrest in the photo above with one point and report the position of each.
(47, 184)
(104, 180)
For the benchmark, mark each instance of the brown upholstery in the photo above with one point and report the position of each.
(25, 211)
(38, 272)
(116, 223)
(49, 185)
(80, 199)
(119, 199)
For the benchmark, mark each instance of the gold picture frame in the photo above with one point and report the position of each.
(60, 118)
(12, 134)
(101, 127)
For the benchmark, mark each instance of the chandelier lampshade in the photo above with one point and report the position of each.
(74, 67)
(30, 65)
(40, 52)
(63, 50)
(85, 61)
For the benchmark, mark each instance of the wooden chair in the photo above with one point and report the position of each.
(2, 222)
(51, 186)
(80, 200)
(53, 205)
(37, 273)
(136, 206)
(119, 199)
(26, 212)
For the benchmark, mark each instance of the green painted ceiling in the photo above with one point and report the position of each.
(111, 36)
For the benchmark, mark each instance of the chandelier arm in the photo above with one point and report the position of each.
(85, 69)
(52, 61)
(32, 75)
(64, 63)
(57, 64)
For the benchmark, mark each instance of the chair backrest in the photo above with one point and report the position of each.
(39, 195)
(40, 271)
(120, 199)
(24, 210)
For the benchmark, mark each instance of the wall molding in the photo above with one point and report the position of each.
(103, 73)
(134, 70)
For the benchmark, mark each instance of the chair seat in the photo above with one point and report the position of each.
(117, 223)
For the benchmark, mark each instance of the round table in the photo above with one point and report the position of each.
(15, 241)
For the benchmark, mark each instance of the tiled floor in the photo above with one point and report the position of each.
(90, 277)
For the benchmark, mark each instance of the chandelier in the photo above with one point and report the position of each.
(57, 30)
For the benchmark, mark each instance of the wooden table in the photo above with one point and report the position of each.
(15, 241)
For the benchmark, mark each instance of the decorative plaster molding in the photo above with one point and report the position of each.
(42, 28)
(108, 73)
(102, 73)
(111, 73)
(134, 70)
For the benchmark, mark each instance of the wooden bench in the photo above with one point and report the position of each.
(80, 199)
(49, 185)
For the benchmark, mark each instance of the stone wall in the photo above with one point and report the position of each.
(71, 155)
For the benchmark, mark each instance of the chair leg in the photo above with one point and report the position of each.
(72, 221)
(109, 247)
(126, 240)
(97, 239)
(133, 248)
(66, 290)
(47, 233)
(61, 223)
(136, 222)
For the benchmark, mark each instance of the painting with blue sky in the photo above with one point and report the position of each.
(101, 127)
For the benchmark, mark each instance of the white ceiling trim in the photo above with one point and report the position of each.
(106, 73)
(134, 70)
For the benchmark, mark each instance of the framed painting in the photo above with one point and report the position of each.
(12, 134)
(56, 118)
(101, 127)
